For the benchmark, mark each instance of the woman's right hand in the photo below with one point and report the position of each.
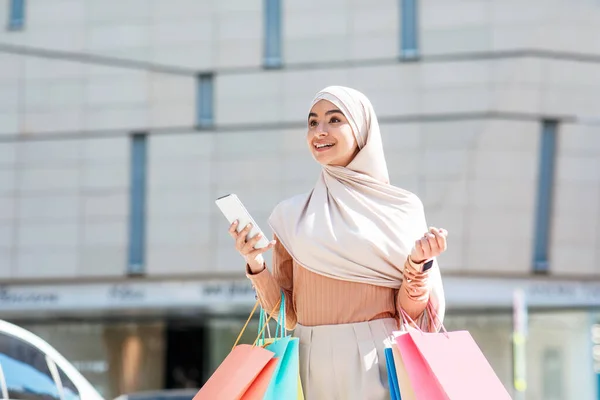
(253, 256)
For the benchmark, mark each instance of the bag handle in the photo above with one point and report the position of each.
(281, 319)
(246, 324)
(266, 323)
(261, 322)
(248, 321)
(431, 313)
(280, 331)
(406, 317)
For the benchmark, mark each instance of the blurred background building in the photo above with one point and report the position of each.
(122, 121)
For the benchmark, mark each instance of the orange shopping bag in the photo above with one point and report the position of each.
(259, 387)
(448, 366)
(245, 373)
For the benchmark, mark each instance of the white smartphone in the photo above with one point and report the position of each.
(233, 209)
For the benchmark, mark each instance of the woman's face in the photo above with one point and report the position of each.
(330, 138)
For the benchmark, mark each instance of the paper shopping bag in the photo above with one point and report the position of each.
(391, 373)
(236, 374)
(448, 366)
(300, 391)
(284, 384)
(406, 391)
(259, 386)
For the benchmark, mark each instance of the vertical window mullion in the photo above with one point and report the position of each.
(205, 100)
(272, 39)
(545, 189)
(16, 15)
(137, 204)
(409, 46)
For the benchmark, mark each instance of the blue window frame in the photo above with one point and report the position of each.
(16, 15)
(137, 204)
(409, 40)
(205, 101)
(545, 189)
(272, 44)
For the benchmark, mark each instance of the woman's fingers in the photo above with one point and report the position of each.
(241, 238)
(440, 235)
(246, 247)
(426, 247)
(249, 246)
(433, 244)
(233, 229)
(256, 252)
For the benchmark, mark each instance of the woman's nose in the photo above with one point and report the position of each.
(320, 131)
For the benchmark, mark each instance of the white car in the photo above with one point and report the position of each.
(167, 394)
(31, 369)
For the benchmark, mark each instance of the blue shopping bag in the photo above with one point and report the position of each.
(284, 383)
(392, 376)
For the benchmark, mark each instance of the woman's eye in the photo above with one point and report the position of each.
(312, 123)
(335, 120)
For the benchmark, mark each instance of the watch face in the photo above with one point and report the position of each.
(427, 265)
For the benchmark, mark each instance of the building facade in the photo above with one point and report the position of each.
(122, 122)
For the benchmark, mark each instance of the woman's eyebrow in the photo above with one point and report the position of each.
(335, 111)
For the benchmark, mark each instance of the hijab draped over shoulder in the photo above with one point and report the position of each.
(354, 225)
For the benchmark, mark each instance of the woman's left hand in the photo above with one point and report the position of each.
(432, 244)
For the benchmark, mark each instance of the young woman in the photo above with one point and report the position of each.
(348, 256)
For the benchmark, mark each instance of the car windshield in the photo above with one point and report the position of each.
(26, 382)
(27, 374)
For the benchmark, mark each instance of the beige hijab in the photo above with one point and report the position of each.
(354, 225)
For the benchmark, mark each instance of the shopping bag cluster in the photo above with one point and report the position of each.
(439, 366)
(267, 369)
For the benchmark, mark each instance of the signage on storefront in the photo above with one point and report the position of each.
(469, 292)
(130, 295)
(212, 296)
(8, 295)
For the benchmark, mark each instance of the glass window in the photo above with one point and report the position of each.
(205, 99)
(17, 15)
(409, 28)
(25, 370)
(492, 333)
(272, 34)
(552, 365)
(106, 356)
(558, 364)
(69, 389)
(137, 206)
(547, 158)
(559, 356)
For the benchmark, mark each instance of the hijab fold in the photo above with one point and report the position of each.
(354, 225)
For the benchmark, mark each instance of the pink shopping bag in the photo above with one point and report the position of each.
(448, 366)
(406, 389)
(245, 373)
(240, 371)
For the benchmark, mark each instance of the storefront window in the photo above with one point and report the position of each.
(559, 356)
(222, 334)
(116, 358)
(492, 333)
(119, 358)
(559, 351)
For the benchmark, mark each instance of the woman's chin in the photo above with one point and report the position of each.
(321, 158)
(332, 159)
